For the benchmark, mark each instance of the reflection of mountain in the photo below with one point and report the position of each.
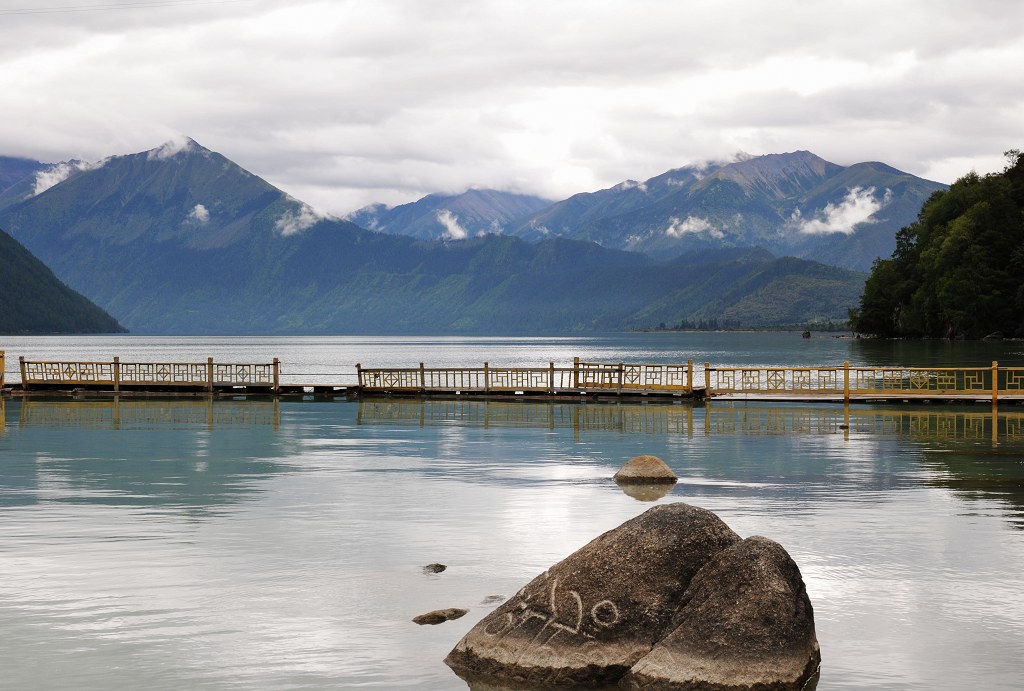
(190, 454)
(978, 473)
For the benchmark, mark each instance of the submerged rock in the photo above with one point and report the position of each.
(589, 618)
(671, 599)
(434, 568)
(439, 616)
(645, 470)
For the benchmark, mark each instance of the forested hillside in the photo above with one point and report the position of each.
(33, 301)
(958, 271)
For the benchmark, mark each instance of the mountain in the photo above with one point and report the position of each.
(794, 204)
(181, 240)
(33, 301)
(13, 170)
(435, 216)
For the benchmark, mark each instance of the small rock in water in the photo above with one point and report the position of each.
(645, 470)
(493, 599)
(439, 616)
(434, 568)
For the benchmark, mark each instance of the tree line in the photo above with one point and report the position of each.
(958, 270)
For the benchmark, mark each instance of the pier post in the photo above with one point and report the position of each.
(575, 373)
(995, 383)
(487, 377)
(359, 375)
(551, 378)
(277, 375)
(117, 374)
(707, 379)
(846, 382)
(423, 378)
(689, 378)
(209, 375)
(24, 377)
(3, 366)
(622, 369)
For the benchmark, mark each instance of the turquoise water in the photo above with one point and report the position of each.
(239, 544)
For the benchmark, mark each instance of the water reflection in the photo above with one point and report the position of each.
(118, 412)
(192, 453)
(717, 418)
(976, 452)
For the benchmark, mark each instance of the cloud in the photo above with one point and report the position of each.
(199, 214)
(171, 148)
(858, 206)
(453, 231)
(296, 220)
(343, 104)
(59, 172)
(631, 184)
(692, 225)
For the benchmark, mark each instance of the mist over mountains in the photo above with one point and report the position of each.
(181, 240)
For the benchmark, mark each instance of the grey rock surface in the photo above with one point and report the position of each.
(592, 616)
(745, 623)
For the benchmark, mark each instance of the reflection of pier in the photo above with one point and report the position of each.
(140, 413)
(925, 423)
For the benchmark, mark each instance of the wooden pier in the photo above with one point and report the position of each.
(579, 381)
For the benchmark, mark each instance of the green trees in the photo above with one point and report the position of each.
(958, 271)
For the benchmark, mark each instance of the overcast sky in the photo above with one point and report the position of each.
(346, 102)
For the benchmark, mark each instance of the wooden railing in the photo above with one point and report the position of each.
(582, 376)
(116, 374)
(866, 382)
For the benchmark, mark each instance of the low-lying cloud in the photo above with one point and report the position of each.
(296, 220)
(858, 206)
(452, 229)
(692, 225)
(199, 214)
(59, 172)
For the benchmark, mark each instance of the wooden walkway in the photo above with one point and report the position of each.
(581, 381)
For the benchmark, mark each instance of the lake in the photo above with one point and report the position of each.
(236, 544)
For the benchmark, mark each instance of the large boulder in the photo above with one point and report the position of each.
(672, 599)
(745, 622)
(589, 618)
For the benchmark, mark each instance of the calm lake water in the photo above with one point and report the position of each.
(249, 544)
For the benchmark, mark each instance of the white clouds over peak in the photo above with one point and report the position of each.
(171, 148)
(59, 172)
(858, 206)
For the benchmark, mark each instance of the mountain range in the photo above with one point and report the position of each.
(181, 240)
(794, 204)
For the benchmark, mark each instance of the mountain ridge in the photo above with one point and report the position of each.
(179, 239)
